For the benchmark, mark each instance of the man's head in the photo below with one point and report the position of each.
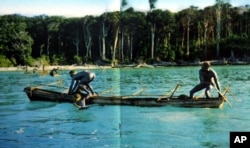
(205, 65)
(72, 73)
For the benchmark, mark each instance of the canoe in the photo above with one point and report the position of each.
(154, 102)
(37, 94)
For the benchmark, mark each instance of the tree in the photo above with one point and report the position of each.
(124, 3)
(103, 34)
(71, 38)
(133, 27)
(164, 29)
(53, 36)
(37, 29)
(15, 42)
(208, 17)
(186, 20)
(152, 7)
(218, 26)
(87, 22)
(128, 35)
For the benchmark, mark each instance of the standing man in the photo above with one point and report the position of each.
(207, 79)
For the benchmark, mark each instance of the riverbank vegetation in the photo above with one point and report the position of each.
(219, 32)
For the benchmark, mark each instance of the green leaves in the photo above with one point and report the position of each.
(15, 41)
(125, 35)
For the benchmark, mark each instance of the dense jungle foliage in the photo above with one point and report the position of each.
(127, 36)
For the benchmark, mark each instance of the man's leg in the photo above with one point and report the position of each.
(83, 102)
(207, 91)
(79, 100)
(84, 88)
(196, 88)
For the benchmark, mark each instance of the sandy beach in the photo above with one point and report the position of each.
(61, 67)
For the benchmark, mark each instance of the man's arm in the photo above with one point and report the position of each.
(216, 80)
(74, 83)
(91, 89)
(71, 87)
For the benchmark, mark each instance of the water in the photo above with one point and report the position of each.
(45, 124)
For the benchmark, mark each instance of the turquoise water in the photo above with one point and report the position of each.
(45, 124)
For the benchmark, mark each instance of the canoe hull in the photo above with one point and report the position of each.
(153, 102)
(36, 94)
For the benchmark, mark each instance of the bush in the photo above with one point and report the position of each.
(29, 61)
(78, 60)
(4, 62)
(55, 60)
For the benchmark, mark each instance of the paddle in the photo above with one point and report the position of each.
(173, 91)
(177, 86)
(140, 91)
(135, 93)
(224, 97)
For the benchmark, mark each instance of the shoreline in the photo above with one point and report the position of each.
(48, 68)
(87, 67)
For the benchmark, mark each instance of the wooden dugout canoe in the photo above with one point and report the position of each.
(37, 94)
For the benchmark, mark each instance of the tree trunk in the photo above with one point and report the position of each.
(104, 34)
(122, 43)
(100, 46)
(218, 14)
(205, 37)
(182, 39)
(131, 48)
(48, 43)
(152, 40)
(188, 30)
(76, 43)
(103, 48)
(87, 39)
(115, 44)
